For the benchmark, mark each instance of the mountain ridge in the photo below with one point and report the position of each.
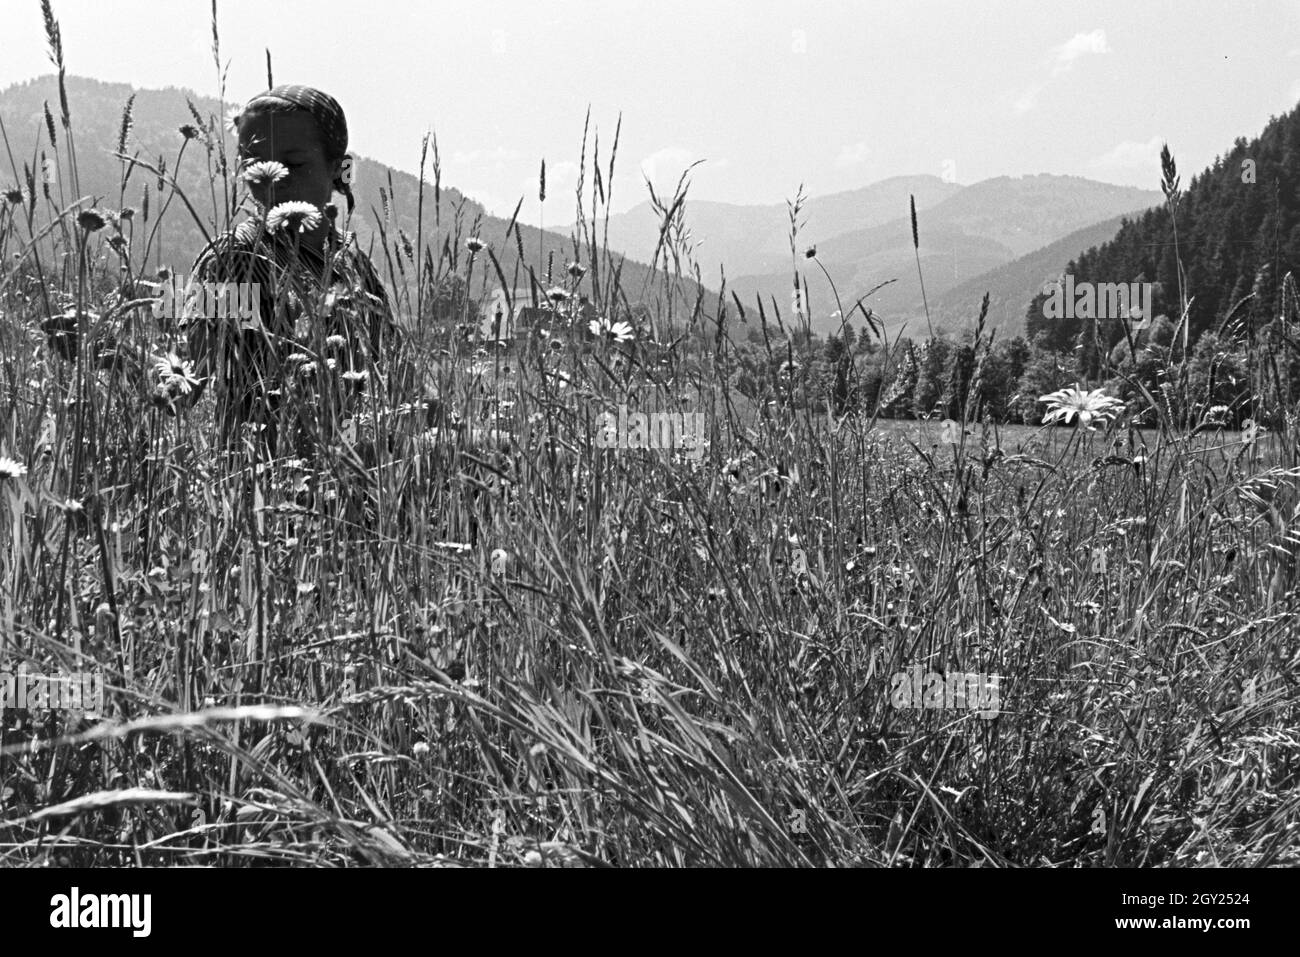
(751, 238)
(961, 238)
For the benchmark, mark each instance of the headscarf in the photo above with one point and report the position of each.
(324, 109)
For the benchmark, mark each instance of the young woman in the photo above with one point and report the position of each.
(322, 318)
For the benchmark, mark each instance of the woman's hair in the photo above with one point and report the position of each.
(322, 108)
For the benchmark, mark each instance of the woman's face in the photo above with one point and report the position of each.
(294, 140)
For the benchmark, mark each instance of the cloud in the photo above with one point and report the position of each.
(1132, 156)
(852, 155)
(1079, 45)
(1062, 58)
(664, 167)
(1295, 90)
(563, 173)
(1028, 99)
(561, 177)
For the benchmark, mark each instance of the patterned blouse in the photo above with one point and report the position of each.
(294, 325)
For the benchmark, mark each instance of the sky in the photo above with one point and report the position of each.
(831, 94)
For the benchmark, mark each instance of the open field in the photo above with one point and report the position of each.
(453, 628)
(616, 654)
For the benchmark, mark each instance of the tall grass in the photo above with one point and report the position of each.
(459, 632)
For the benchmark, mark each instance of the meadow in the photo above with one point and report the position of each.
(457, 632)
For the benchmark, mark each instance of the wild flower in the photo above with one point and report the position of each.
(175, 374)
(733, 471)
(577, 270)
(1065, 404)
(11, 469)
(293, 217)
(91, 220)
(189, 131)
(557, 295)
(264, 173)
(15, 196)
(335, 341)
(474, 245)
(616, 331)
(453, 546)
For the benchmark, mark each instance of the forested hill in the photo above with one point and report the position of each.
(1237, 229)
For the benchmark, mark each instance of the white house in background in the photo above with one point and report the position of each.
(499, 323)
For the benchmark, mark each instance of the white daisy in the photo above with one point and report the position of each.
(295, 217)
(1065, 404)
(11, 469)
(264, 174)
(175, 373)
(616, 331)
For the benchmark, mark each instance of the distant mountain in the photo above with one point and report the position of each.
(756, 239)
(1011, 287)
(97, 108)
(975, 230)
